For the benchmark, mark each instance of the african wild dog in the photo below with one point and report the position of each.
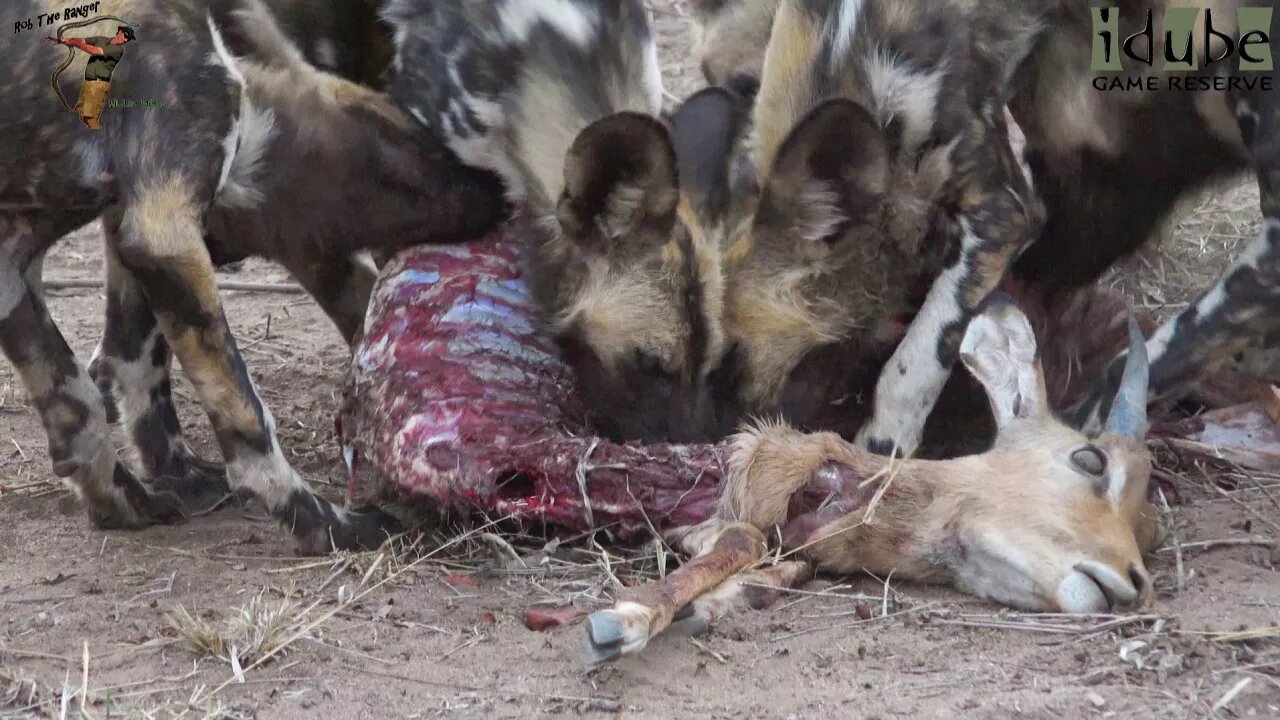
(254, 155)
(887, 185)
(561, 99)
(1048, 519)
(347, 38)
(1106, 166)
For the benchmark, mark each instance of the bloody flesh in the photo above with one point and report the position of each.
(455, 395)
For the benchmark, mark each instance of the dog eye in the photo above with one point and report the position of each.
(1089, 460)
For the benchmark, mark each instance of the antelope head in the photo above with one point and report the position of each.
(1048, 519)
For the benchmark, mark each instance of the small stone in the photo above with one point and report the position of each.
(1095, 699)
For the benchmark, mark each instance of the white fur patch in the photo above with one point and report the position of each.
(903, 401)
(571, 20)
(818, 213)
(269, 477)
(91, 162)
(996, 569)
(845, 29)
(326, 54)
(652, 77)
(135, 379)
(1117, 479)
(246, 143)
(898, 91)
(1018, 144)
(222, 56)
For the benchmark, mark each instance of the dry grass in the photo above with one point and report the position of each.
(246, 636)
(1198, 242)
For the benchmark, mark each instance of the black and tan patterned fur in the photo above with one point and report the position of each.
(319, 170)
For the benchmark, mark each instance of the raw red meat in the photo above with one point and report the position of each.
(453, 395)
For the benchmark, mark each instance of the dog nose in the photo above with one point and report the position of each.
(1123, 590)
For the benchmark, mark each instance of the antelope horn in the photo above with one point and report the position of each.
(1128, 414)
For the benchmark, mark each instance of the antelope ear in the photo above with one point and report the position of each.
(999, 348)
(620, 187)
(831, 172)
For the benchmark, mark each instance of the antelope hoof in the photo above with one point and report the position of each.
(605, 634)
(620, 630)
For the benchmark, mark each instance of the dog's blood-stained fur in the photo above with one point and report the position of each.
(260, 155)
(561, 98)
(1108, 166)
(888, 187)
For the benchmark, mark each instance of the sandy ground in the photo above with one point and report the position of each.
(85, 616)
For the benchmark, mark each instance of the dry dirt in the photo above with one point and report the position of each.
(84, 614)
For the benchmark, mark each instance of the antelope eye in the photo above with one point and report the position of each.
(1089, 460)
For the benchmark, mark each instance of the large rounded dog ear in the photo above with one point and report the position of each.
(620, 186)
(705, 130)
(832, 171)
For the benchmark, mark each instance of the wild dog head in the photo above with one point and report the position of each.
(563, 101)
(848, 229)
(628, 268)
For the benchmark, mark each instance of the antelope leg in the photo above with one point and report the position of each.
(754, 589)
(643, 612)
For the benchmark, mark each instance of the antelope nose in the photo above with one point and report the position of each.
(1142, 583)
(1123, 591)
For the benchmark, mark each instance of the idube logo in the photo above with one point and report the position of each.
(1236, 60)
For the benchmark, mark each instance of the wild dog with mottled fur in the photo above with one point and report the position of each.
(255, 155)
(1107, 166)
(887, 185)
(347, 38)
(561, 98)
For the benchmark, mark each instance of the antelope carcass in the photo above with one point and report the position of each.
(1048, 519)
